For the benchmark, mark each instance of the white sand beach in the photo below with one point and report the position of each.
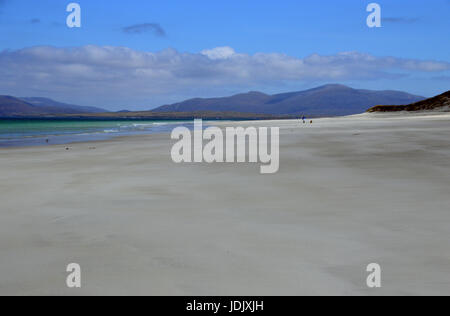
(350, 191)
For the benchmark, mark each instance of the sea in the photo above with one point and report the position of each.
(34, 132)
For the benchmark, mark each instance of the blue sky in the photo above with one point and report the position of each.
(267, 45)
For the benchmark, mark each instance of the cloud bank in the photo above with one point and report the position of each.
(113, 73)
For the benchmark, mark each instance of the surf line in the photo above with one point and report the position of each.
(210, 145)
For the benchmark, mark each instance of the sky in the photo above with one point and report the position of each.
(139, 54)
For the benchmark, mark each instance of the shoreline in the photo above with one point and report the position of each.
(283, 123)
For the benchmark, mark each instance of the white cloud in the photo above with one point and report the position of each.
(105, 74)
(219, 52)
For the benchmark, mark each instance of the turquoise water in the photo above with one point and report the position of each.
(43, 132)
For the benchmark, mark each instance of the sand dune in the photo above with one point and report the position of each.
(350, 191)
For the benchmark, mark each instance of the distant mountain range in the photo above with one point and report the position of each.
(438, 103)
(328, 100)
(19, 107)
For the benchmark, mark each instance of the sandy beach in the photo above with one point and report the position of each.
(350, 191)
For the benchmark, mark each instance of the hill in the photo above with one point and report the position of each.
(438, 103)
(52, 106)
(19, 107)
(328, 100)
(11, 106)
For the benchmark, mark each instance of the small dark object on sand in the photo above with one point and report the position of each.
(310, 122)
(47, 140)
